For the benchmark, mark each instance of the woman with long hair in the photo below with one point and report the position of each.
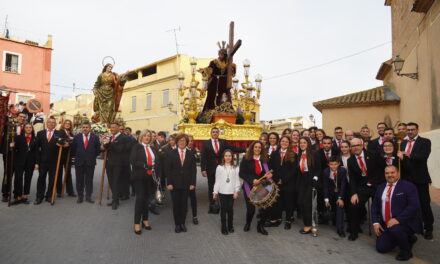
(253, 166)
(320, 134)
(309, 172)
(284, 163)
(274, 138)
(25, 147)
(264, 138)
(145, 163)
(66, 129)
(226, 188)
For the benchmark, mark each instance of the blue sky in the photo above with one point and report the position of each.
(278, 37)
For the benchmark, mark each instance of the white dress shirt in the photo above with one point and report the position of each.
(221, 175)
(384, 199)
(272, 149)
(213, 144)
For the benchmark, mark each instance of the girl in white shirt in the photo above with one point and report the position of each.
(226, 188)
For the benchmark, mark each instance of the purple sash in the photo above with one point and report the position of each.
(247, 188)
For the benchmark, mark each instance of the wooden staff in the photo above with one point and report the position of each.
(65, 173)
(52, 201)
(101, 185)
(108, 190)
(10, 173)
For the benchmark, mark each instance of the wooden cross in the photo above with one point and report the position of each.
(232, 48)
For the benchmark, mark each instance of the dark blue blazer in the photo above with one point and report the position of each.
(329, 185)
(405, 205)
(84, 156)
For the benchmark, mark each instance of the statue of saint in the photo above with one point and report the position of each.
(217, 74)
(108, 92)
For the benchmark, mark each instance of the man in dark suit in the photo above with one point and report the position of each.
(47, 156)
(85, 149)
(211, 156)
(374, 145)
(117, 160)
(414, 153)
(396, 215)
(19, 126)
(364, 170)
(337, 140)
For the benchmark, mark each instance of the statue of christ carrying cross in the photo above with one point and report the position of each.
(219, 73)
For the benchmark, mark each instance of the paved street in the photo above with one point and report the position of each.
(86, 233)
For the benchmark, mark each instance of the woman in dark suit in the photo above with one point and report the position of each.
(145, 163)
(252, 167)
(284, 163)
(25, 159)
(309, 172)
(181, 173)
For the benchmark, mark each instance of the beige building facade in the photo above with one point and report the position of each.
(278, 125)
(68, 108)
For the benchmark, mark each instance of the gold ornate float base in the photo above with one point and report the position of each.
(227, 131)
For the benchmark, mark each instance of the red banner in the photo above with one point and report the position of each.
(4, 101)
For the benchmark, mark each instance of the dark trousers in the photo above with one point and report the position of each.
(44, 170)
(338, 212)
(7, 175)
(250, 211)
(23, 187)
(125, 182)
(357, 211)
(180, 205)
(211, 182)
(226, 208)
(142, 190)
(152, 187)
(397, 235)
(68, 168)
(193, 199)
(305, 197)
(286, 202)
(84, 179)
(425, 204)
(114, 178)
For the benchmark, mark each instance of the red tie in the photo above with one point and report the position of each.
(28, 139)
(295, 148)
(149, 160)
(182, 157)
(383, 140)
(21, 128)
(327, 155)
(410, 145)
(216, 146)
(388, 204)
(257, 167)
(283, 153)
(303, 162)
(339, 143)
(113, 138)
(86, 143)
(49, 135)
(335, 177)
(364, 169)
(321, 145)
(273, 149)
(389, 161)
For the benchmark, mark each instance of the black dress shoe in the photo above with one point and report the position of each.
(287, 225)
(231, 229)
(272, 223)
(138, 232)
(25, 201)
(79, 200)
(71, 195)
(124, 198)
(247, 227)
(261, 230)
(146, 227)
(110, 204)
(16, 202)
(352, 237)
(177, 229)
(48, 200)
(341, 232)
(428, 235)
(224, 230)
(404, 256)
(303, 232)
(38, 201)
(153, 211)
(195, 221)
(115, 206)
(89, 200)
(183, 228)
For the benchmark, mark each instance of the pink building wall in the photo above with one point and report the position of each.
(34, 77)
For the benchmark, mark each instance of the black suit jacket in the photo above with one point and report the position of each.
(138, 161)
(287, 172)
(374, 146)
(329, 185)
(323, 159)
(181, 177)
(415, 168)
(118, 151)
(374, 170)
(23, 151)
(47, 152)
(247, 171)
(209, 157)
(85, 156)
(313, 166)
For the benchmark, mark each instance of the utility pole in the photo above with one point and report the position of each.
(174, 30)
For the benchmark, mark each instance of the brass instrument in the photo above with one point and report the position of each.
(314, 212)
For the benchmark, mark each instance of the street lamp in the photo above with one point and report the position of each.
(398, 66)
(312, 118)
